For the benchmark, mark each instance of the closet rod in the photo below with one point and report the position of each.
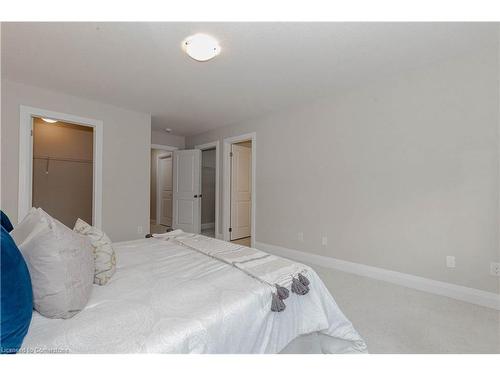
(63, 159)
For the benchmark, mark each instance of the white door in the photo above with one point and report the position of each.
(241, 191)
(187, 190)
(164, 196)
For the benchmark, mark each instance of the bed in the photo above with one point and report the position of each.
(167, 298)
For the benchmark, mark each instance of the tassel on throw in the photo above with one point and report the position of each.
(282, 292)
(277, 305)
(303, 280)
(298, 287)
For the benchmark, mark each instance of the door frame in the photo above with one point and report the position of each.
(226, 206)
(25, 198)
(158, 192)
(208, 146)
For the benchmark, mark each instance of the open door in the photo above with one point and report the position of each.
(187, 190)
(241, 191)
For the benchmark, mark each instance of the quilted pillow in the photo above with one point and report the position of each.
(16, 296)
(60, 264)
(104, 254)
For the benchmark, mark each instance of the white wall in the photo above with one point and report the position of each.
(126, 155)
(160, 137)
(398, 174)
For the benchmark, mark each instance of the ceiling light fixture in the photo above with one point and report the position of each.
(168, 130)
(201, 47)
(49, 120)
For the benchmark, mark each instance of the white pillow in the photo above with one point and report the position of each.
(26, 226)
(60, 264)
(104, 254)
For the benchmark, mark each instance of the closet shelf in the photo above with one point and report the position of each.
(63, 159)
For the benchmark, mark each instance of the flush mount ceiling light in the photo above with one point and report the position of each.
(49, 120)
(201, 47)
(168, 130)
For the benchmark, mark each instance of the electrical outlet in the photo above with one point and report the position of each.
(450, 261)
(495, 268)
(324, 240)
(139, 229)
(300, 236)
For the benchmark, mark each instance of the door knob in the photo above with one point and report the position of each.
(196, 196)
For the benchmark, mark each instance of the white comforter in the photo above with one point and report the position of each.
(165, 298)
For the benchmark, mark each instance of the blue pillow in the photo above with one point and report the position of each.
(16, 298)
(6, 222)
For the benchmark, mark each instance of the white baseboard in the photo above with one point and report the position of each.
(207, 226)
(462, 293)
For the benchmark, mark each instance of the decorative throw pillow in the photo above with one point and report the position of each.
(5, 222)
(16, 296)
(60, 264)
(104, 254)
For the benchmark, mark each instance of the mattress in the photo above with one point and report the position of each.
(166, 298)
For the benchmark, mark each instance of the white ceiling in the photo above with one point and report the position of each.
(262, 66)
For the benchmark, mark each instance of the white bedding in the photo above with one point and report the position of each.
(165, 298)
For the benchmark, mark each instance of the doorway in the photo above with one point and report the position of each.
(164, 190)
(208, 168)
(161, 189)
(62, 169)
(26, 120)
(241, 193)
(239, 189)
(210, 189)
(195, 193)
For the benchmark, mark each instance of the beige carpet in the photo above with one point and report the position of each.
(395, 319)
